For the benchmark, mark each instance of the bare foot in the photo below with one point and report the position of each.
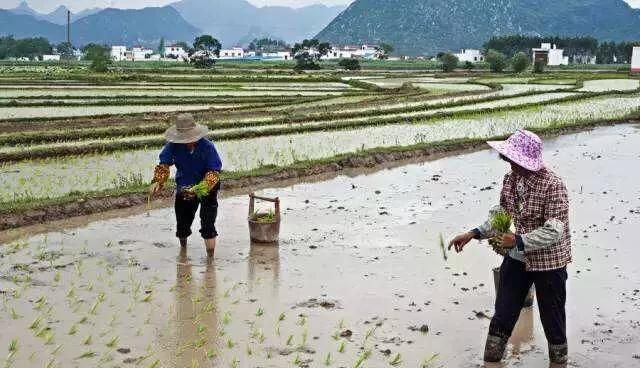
(210, 245)
(183, 242)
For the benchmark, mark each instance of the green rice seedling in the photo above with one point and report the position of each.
(226, 319)
(289, 340)
(259, 312)
(194, 363)
(201, 189)
(43, 331)
(396, 361)
(211, 354)
(327, 360)
(369, 334)
(87, 354)
(427, 363)
(209, 308)
(83, 320)
(147, 298)
(73, 330)
(48, 338)
(235, 363)
(230, 344)
(281, 317)
(302, 320)
(362, 358)
(88, 340)
(501, 222)
(57, 276)
(14, 314)
(249, 350)
(305, 334)
(13, 346)
(56, 350)
(297, 361)
(113, 342)
(341, 347)
(35, 324)
(443, 247)
(264, 217)
(51, 363)
(154, 364)
(278, 330)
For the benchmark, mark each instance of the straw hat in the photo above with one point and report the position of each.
(186, 130)
(523, 148)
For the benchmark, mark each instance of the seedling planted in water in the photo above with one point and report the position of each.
(397, 360)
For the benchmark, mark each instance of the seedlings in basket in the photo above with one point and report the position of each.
(264, 217)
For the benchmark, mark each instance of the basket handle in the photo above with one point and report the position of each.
(253, 197)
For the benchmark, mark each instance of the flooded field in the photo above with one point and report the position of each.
(358, 279)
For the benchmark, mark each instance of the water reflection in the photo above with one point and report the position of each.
(264, 266)
(196, 314)
(523, 332)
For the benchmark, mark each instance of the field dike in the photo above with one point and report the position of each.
(82, 204)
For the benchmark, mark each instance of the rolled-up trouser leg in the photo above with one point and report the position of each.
(208, 214)
(185, 213)
(513, 287)
(551, 294)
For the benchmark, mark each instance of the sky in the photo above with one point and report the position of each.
(76, 5)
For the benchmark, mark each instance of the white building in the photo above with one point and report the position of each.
(470, 55)
(550, 55)
(274, 56)
(174, 52)
(50, 57)
(352, 52)
(635, 60)
(233, 53)
(118, 53)
(141, 54)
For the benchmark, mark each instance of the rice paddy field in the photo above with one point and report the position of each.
(68, 135)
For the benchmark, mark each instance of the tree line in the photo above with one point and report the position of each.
(608, 52)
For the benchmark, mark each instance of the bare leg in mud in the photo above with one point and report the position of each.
(183, 243)
(210, 245)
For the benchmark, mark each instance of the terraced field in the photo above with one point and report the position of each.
(89, 136)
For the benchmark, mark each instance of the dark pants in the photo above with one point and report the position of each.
(186, 212)
(515, 283)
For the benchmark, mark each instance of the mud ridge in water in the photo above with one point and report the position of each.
(94, 205)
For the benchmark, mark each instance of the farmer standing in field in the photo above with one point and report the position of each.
(197, 163)
(537, 253)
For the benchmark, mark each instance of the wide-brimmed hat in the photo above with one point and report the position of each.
(523, 148)
(186, 130)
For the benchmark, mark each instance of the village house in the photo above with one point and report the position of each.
(233, 53)
(549, 55)
(50, 57)
(635, 60)
(118, 53)
(352, 52)
(140, 54)
(470, 55)
(175, 52)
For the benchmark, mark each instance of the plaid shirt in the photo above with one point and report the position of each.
(542, 196)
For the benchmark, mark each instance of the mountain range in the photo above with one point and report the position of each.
(233, 22)
(418, 27)
(237, 22)
(108, 26)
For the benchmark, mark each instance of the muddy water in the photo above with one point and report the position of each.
(364, 246)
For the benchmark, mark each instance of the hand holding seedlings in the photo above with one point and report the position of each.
(154, 189)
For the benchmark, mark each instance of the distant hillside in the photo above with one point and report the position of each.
(111, 26)
(238, 22)
(57, 16)
(21, 26)
(418, 27)
(133, 26)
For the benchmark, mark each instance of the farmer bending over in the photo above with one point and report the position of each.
(537, 253)
(197, 178)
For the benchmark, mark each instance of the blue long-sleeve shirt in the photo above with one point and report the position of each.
(191, 166)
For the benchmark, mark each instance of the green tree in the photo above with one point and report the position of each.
(520, 62)
(99, 56)
(205, 51)
(268, 45)
(65, 50)
(449, 62)
(349, 64)
(538, 66)
(497, 61)
(384, 50)
(161, 47)
(468, 65)
(308, 53)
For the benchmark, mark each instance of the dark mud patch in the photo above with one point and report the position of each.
(319, 303)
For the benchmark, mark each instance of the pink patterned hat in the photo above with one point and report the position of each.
(523, 148)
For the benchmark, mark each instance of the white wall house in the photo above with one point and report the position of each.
(233, 53)
(274, 56)
(470, 55)
(635, 60)
(118, 53)
(174, 52)
(50, 57)
(549, 53)
(349, 52)
(141, 54)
